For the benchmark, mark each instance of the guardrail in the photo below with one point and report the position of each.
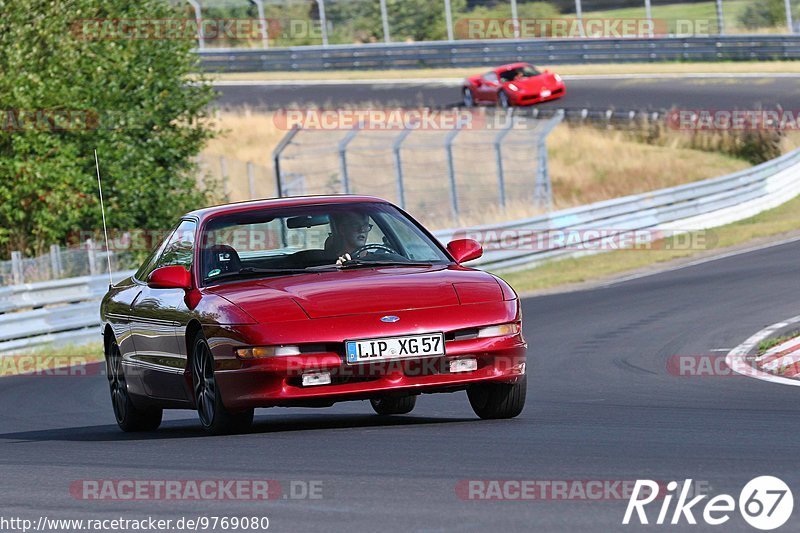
(67, 310)
(487, 53)
(690, 207)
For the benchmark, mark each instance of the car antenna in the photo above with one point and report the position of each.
(103, 212)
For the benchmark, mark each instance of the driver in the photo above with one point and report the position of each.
(349, 233)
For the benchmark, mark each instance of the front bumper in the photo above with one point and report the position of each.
(277, 381)
(523, 99)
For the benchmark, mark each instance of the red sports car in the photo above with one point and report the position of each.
(515, 84)
(307, 302)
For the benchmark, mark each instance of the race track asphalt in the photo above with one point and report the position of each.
(605, 93)
(601, 406)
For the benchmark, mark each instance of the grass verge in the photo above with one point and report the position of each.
(780, 220)
(766, 345)
(723, 67)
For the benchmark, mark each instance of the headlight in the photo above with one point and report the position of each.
(557, 77)
(499, 331)
(513, 87)
(266, 351)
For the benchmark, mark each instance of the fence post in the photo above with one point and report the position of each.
(91, 254)
(223, 169)
(16, 268)
(323, 20)
(398, 166)
(198, 16)
(648, 14)
(343, 158)
(276, 157)
(788, 6)
(515, 18)
(55, 260)
(720, 19)
(387, 38)
(451, 169)
(251, 179)
(542, 189)
(498, 152)
(579, 16)
(448, 16)
(264, 24)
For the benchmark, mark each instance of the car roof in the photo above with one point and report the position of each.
(509, 66)
(293, 201)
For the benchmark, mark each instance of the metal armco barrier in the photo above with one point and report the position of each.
(488, 53)
(690, 207)
(68, 310)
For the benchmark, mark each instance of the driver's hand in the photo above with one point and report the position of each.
(343, 259)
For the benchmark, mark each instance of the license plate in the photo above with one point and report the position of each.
(406, 347)
(545, 94)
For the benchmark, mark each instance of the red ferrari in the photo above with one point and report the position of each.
(306, 302)
(515, 84)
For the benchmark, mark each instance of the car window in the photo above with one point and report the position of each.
(490, 77)
(304, 237)
(176, 250)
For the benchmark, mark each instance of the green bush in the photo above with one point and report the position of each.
(763, 14)
(135, 108)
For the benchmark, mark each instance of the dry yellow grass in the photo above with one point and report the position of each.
(586, 165)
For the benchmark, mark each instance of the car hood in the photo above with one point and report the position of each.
(536, 83)
(359, 291)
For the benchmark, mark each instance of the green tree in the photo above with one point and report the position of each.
(128, 98)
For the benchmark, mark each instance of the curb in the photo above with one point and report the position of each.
(743, 360)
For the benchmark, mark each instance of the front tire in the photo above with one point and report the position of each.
(498, 400)
(394, 406)
(215, 418)
(129, 417)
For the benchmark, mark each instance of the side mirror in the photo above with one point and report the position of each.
(170, 277)
(464, 250)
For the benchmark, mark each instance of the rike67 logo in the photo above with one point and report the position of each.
(765, 503)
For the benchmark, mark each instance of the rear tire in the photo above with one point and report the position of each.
(503, 101)
(469, 100)
(498, 400)
(394, 406)
(129, 417)
(215, 418)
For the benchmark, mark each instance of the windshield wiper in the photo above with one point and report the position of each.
(359, 263)
(252, 271)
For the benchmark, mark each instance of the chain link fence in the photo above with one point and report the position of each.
(89, 259)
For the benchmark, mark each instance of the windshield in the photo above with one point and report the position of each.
(312, 238)
(519, 73)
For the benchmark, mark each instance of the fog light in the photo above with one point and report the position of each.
(463, 365)
(316, 378)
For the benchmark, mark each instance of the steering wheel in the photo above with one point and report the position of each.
(373, 247)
